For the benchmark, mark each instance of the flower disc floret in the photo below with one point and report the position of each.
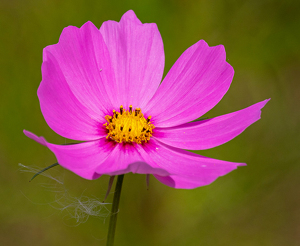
(129, 126)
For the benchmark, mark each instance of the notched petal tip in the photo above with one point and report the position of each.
(258, 108)
(264, 102)
(40, 140)
(71, 31)
(216, 50)
(67, 34)
(90, 26)
(130, 15)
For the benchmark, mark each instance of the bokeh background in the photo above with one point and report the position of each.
(254, 205)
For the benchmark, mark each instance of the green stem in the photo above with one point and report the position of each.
(114, 212)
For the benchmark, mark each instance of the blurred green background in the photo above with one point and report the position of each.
(254, 205)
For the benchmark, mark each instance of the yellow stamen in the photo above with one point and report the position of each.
(128, 126)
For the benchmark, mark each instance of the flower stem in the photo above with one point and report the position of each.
(114, 212)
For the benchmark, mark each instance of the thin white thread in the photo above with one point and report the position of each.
(77, 208)
(34, 170)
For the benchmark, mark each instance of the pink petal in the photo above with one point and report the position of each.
(127, 158)
(210, 133)
(83, 158)
(137, 56)
(40, 140)
(195, 84)
(187, 170)
(77, 83)
(92, 159)
(173, 167)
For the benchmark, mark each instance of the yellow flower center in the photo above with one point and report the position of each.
(129, 126)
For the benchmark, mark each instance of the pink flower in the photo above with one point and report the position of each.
(90, 73)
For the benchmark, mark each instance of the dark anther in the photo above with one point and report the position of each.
(130, 108)
(143, 129)
(121, 109)
(121, 128)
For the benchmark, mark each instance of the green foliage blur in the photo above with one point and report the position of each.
(253, 205)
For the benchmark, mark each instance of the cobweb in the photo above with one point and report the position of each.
(77, 208)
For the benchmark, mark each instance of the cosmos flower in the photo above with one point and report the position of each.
(104, 87)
